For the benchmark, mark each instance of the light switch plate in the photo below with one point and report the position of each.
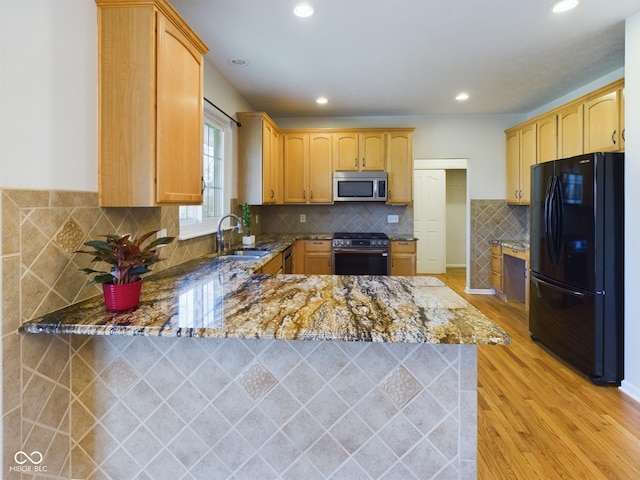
(392, 219)
(303, 218)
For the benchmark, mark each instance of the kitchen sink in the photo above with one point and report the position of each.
(247, 253)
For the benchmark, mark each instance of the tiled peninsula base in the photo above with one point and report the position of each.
(167, 408)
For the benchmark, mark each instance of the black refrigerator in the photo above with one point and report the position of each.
(577, 262)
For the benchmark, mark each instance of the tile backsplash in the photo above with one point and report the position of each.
(342, 217)
(493, 220)
(41, 229)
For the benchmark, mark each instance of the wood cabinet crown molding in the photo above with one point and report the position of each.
(167, 9)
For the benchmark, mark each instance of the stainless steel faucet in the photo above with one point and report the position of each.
(219, 233)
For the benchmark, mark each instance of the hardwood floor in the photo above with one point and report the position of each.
(540, 419)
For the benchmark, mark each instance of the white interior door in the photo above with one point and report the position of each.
(429, 220)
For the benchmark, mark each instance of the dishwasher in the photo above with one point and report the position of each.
(287, 260)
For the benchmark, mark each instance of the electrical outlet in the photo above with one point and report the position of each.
(303, 218)
(257, 219)
(161, 233)
(392, 218)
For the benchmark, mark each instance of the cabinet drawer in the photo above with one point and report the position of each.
(496, 263)
(400, 246)
(317, 245)
(496, 281)
(495, 249)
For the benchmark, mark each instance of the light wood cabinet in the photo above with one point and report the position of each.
(403, 257)
(273, 267)
(317, 257)
(571, 131)
(496, 267)
(521, 155)
(359, 150)
(308, 167)
(547, 138)
(150, 93)
(260, 168)
(602, 122)
(400, 167)
(593, 123)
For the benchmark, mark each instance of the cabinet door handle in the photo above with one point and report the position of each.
(273, 194)
(204, 185)
(613, 137)
(311, 195)
(624, 130)
(356, 162)
(364, 162)
(304, 194)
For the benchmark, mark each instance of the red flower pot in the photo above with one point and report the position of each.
(121, 297)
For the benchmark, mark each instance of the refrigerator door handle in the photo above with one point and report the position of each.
(547, 219)
(557, 219)
(575, 293)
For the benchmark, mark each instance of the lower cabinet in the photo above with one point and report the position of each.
(496, 267)
(274, 267)
(312, 257)
(403, 257)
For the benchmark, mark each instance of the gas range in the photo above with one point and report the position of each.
(360, 240)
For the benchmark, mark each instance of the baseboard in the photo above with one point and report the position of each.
(480, 291)
(456, 265)
(632, 390)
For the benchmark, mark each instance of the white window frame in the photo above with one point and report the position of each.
(200, 227)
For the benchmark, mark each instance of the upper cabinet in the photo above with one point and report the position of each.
(308, 167)
(593, 123)
(602, 122)
(259, 160)
(571, 131)
(400, 166)
(547, 138)
(150, 90)
(359, 150)
(521, 155)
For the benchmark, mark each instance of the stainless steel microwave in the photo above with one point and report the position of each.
(360, 186)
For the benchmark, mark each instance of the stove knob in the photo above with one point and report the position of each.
(385, 242)
(375, 242)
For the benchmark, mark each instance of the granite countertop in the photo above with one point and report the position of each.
(220, 297)
(521, 245)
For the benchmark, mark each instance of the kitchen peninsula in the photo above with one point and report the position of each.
(394, 391)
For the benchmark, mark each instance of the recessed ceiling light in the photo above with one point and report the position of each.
(303, 10)
(322, 100)
(238, 62)
(564, 6)
(461, 97)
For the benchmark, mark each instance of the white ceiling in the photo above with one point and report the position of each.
(409, 57)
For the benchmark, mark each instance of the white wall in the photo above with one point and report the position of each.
(48, 94)
(456, 218)
(631, 383)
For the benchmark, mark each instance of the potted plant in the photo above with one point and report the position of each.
(129, 259)
(247, 220)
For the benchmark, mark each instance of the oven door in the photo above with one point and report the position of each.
(360, 261)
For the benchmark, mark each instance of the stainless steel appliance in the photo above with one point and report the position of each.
(577, 262)
(360, 186)
(360, 253)
(287, 260)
